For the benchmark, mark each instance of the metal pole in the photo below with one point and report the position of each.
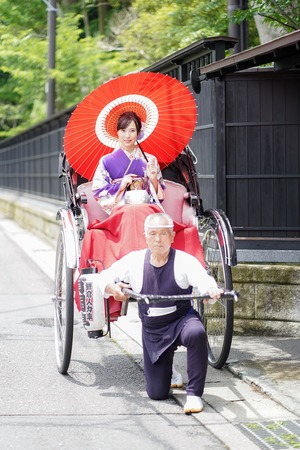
(50, 89)
(244, 29)
(235, 30)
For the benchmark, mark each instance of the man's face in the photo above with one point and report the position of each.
(159, 240)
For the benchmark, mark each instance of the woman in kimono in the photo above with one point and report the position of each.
(162, 270)
(127, 167)
(106, 241)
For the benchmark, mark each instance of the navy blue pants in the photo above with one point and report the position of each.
(158, 375)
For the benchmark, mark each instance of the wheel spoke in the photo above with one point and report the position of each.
(63, 308)
(217, 317)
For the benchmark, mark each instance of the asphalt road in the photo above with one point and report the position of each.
(101, 403)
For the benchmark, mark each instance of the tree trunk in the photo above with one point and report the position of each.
(265, 31)
(101, 16)
(85, 19)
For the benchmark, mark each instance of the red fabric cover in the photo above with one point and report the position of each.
(107, 241)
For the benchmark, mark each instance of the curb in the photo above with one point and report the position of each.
(254, 374)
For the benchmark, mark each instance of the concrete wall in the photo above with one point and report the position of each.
(269, 300)
(36, 215)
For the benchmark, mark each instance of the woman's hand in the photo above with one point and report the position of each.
(126, 181)
(152, 170)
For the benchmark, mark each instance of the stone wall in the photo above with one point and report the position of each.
(269, 300)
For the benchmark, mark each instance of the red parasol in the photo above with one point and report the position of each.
(165, 105)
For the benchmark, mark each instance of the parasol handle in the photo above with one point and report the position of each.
(144, 154)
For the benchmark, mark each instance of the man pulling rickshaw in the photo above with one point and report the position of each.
(120, 145)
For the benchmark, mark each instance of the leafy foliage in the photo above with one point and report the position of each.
(96, 41)
(22, 62)
(172, 26)
(283, 14)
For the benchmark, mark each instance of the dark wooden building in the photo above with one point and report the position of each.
(247, 139)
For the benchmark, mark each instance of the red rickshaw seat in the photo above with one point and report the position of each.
(101, 242)
(174, 203)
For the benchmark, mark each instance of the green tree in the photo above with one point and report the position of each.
(156, 29)
(96, 44)
(83, 64)
(23, 58)
(281, 14)
(24, 15)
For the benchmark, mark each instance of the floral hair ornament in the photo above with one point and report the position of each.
(141, 132)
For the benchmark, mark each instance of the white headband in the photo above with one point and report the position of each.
(159, 226)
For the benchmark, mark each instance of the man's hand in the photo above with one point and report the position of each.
(115, 289)
(215, 294)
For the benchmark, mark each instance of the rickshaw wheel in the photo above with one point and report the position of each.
(217, 317)
(63, 307)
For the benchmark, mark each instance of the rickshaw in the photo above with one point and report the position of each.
(184, 204)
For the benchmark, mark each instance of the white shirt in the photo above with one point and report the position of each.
(188, 271)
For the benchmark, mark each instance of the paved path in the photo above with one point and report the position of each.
(258, 408)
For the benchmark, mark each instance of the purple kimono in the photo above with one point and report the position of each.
(111, 170)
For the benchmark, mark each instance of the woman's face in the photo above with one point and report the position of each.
(128, 136)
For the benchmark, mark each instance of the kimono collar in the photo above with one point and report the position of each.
(135, 154)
